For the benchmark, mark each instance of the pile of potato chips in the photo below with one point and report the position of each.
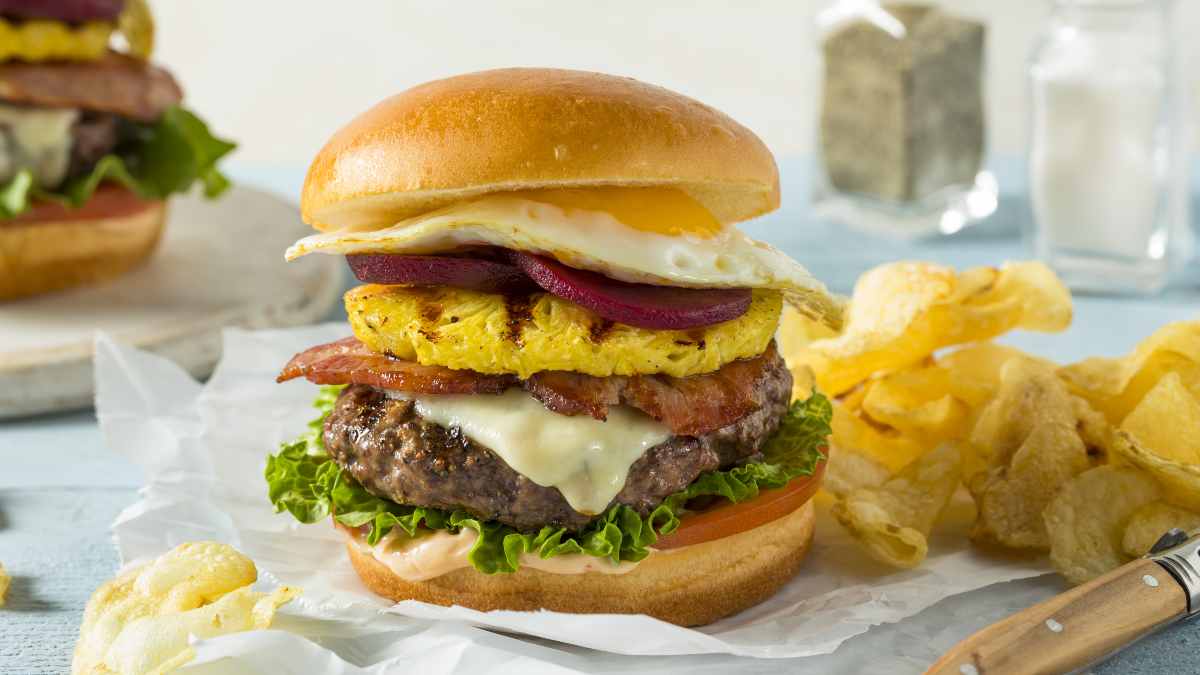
(1091, 462)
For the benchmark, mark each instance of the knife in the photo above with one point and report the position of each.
(1090, 621)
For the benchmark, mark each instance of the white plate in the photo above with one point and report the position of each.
(220, 264)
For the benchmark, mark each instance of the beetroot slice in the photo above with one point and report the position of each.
(641, 305)
(435, 270)
(72, 11)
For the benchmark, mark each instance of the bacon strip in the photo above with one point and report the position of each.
(116, 84)
(701, 403)
(575, 393)
(349, 361)
(689, 405)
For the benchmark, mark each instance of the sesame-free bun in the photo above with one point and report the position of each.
(689, 586)
(55, 248)
(532, 128)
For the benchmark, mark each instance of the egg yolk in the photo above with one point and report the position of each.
(660, 210)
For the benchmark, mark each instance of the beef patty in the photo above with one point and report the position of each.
(94, 136)
(395, 454)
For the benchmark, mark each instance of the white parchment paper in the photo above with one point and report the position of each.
(203, 450)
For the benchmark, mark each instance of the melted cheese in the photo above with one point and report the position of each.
(432, 554)
(586, 459)
(37, 139)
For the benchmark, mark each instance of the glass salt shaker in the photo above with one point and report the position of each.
(1108, 162)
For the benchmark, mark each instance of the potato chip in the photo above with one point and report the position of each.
(1112, 376)
(804, 383)
(854, 431)
(975, 460)
(5, 580)
(141, 621)
(902, 313)
(797, 331)
(1167, 421)
(975, 370)
(893, 521)
(1094, 430)
(1180, 481)
(1151, 522)
(1029, 434)
(1086, 521)
(1029, 396)
(853, 399)
(847, 470)
(919, 403)
(1115, 386)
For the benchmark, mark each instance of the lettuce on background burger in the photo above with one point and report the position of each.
(93, 139)
(562, 391)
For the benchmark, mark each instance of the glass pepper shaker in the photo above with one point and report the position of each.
(1108, 162)
(901, 132)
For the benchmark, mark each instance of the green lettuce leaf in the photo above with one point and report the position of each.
(15, 195)
(152, 160)
(304, 481)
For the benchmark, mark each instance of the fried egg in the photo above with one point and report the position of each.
(640, 234)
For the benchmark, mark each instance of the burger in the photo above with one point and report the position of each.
(92, 142)
(562, 390)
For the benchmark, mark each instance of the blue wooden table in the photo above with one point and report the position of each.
(60, 487)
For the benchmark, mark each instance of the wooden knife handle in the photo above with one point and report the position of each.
(1074, 629)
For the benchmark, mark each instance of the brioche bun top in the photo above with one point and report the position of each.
(532, 128)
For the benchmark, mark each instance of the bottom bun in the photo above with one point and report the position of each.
(43, 255)
(689, 586)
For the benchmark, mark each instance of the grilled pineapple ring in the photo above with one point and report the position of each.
(53, 40)
(489, 333)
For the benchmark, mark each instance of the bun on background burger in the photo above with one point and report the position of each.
(92, 141)
(562, 390)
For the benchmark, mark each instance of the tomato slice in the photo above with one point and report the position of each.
(108, 201)
(729, 519)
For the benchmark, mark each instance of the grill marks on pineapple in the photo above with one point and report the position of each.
(519, 315)
(600, 330)
(519, 309)
(695, 339)
(519, 312)
(429, 315)
(529, 333)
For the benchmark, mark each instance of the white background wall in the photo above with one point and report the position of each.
(281, 75)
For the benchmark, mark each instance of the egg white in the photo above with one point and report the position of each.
(585, 239)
